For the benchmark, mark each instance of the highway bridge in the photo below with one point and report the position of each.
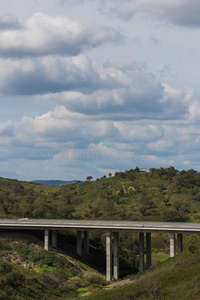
(112, 228)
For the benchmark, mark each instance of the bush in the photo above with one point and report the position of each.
(14, 278)
(5, 268)
(92, 277)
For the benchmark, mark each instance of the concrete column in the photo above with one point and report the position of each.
(86, 242)
(54, 238)
(172, 245)
(79, 243)
(108, 257)
(46, 240)
(148, 250)
(116, 255)
(141, 252)
(179, 243)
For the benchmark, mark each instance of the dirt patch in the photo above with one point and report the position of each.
(121, 282)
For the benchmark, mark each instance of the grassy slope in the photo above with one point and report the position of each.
(177, 278)
(27, 271)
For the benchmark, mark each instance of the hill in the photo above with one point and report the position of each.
(176, 278)
(53, 182)
(27, 271)
(162, 195)
(158, 195)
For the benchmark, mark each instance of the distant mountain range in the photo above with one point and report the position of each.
(53, 182)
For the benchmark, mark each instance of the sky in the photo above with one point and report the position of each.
(89, 88)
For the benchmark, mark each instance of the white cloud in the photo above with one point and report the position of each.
(43, 34)
(51, 74)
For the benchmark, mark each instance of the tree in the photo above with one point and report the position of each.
(137, 170)
(89, 178)
(110, 174)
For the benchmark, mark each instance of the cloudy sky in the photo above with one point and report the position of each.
(91, 87)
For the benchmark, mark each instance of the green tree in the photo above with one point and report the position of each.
(89, 178)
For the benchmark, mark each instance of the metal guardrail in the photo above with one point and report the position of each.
(100, 225)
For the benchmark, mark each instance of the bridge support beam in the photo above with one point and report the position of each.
(172, 245)
(116, 255)
(179, 243)
(108, 257)
(54, 238)
(46, 240)
(86, 242)
(79, 243)
(148, 250)
(141, 252)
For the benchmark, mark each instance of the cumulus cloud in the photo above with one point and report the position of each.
(56, 126)
(179, 12)
(43, 34)
(120, 89)
(52, 74)
(139, 94)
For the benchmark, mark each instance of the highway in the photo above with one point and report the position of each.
(100, 225)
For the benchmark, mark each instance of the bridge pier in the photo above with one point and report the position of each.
(148, 250)
(79, 243)
(179, 243)
(46, 239)
(172, 245)
(116, 255)
(54, 238)
(108, 257)
(86, 242)
(141, 252)
(85, 247)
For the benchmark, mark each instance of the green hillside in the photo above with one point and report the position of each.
(162, 194)
(158, 195)
(27, 271)
(176, 278)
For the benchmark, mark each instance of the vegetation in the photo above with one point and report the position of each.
(158, 195)
(29, 272)
(176, 278)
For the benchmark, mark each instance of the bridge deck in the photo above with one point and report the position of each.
(101, 225)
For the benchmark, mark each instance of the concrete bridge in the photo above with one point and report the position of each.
(112, 228)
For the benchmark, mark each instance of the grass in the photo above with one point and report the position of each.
(161, 256)
(83, 292)
(43, 268)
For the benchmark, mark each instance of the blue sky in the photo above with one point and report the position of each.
(92, 87)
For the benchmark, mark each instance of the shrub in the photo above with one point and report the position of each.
(92, 277)
(14, 278)
(5, 268)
